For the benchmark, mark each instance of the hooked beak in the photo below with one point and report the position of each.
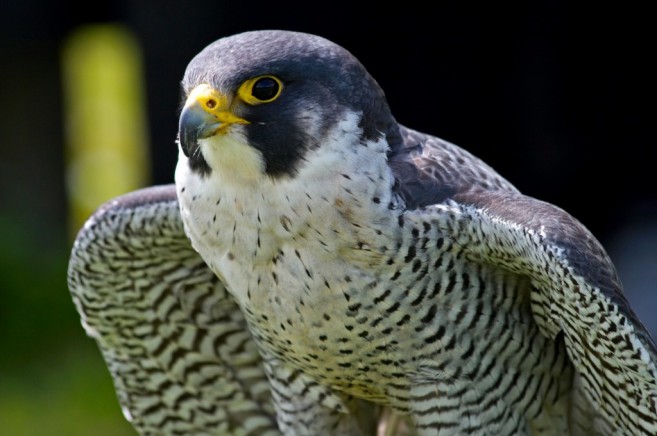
(206, 113)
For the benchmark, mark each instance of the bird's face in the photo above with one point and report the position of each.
(262, 111)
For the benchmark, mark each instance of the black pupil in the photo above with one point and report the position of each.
(265, 88)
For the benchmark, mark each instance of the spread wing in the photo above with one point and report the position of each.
(575, 291)
(177, 346)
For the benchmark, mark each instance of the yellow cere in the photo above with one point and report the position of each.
(209, 98)
(214, 104)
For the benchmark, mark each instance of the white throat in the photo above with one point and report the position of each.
(237, 214)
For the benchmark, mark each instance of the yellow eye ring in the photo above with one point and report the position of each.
(261, 89)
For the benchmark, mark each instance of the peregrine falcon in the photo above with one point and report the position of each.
(319, 268)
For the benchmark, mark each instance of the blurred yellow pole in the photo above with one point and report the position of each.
(106, 124)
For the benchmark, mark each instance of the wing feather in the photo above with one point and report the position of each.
(576, 292)
(177, 346)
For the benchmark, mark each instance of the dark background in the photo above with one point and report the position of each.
(558, 98)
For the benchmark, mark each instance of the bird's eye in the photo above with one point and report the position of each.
(261, 89)
(265, 89)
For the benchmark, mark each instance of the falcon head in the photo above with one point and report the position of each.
(259, 101)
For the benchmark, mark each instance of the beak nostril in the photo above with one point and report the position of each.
(211, 103)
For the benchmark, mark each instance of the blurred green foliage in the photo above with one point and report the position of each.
(53, 380)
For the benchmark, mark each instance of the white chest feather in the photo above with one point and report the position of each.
(277, 239)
